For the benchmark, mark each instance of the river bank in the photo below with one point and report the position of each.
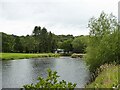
(75, 55)
(107, 77)
(12, 56)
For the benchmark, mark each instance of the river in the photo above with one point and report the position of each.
(16, 73)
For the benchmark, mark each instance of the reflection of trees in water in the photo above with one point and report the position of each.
(41, 65)
(70, 69)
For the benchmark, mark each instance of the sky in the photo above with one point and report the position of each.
(19, 17)
(119, 12)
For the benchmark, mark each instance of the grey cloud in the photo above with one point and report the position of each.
(55, 14)
(49, 12)
(119, 11)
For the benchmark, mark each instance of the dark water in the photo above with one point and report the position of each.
(16, 73)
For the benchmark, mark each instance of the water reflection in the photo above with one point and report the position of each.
(16, 73)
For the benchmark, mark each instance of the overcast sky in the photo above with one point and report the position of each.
(59, 16)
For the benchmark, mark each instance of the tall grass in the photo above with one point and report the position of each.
(107, 77)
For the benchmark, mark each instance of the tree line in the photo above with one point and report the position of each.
(42, 41)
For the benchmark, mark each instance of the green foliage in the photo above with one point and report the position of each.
(107, 78)
(62, 38)
(50, 82)
(17, 45)
(105, 24)
(66, 45)
(79, 44)
(36, 32)
(52, 42)
(40, 41)
(76, 44)
(46, 41)
(7, 42)
(103, 42)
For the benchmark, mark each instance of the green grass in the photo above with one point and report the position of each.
(108, 78)
(12, 56)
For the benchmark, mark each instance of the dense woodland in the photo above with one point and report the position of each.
(42, 41)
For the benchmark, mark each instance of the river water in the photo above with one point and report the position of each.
(16, 73)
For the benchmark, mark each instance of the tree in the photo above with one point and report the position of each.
(103, 25)
(41, 41)
(43, 38)
(7, 43)
(66, 45)
(18, 45)
(79, 44)
(36, 32)
(62, 38)
(103, 41)
(51, 42)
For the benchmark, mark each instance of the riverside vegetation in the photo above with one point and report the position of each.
(103, 48)
(107, 77)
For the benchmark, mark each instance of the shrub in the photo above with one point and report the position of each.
(103, 46)
(50, 82)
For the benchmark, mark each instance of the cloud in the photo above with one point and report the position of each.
(119, 12)
(59, 16)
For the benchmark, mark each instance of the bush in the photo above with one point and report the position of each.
(50, 82)
(103, 46)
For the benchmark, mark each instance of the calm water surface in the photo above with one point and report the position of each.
(16, 73)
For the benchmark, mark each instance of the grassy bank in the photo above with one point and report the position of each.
(107, 78)
(12, 56)
(75, 55)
